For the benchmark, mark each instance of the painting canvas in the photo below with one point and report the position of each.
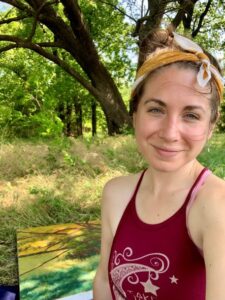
(58, 261)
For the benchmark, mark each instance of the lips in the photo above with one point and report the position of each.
(167, 149)
(167, 152)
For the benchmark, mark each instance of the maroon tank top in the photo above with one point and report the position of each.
(157, 261)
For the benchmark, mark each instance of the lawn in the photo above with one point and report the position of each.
(60, 181)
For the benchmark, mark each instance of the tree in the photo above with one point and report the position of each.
(27, 106)
(67, 26)
(66, 30)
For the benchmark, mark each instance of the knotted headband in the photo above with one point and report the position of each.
(190, 51)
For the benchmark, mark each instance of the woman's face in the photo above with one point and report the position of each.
(172, 121)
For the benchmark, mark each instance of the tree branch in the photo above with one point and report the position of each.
(8, 47)
(142, 8)
(59, 28)
(119, 10)
(8, 21)
(20, 43)
(18, 5)
(186, 7)
(83, 39)
(74, 15)
(36, 17)
(196, 31)
(139, 22)
(51, 44)
(34, 26)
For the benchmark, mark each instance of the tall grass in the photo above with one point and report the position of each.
(213, 155)
(60, 181)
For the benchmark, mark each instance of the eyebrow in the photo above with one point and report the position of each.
(160, 102)
(193, 107)
(163, 104)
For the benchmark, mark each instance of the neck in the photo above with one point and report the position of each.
(182, 178)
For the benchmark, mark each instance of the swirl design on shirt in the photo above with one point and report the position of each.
(126, 266)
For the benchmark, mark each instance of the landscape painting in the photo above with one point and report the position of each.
(58, 261)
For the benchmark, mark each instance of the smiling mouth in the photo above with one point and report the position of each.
(166, 149)
(166, 152)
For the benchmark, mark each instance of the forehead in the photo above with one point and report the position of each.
(173, 82)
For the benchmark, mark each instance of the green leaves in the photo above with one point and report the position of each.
(33, 88)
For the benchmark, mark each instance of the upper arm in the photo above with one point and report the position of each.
(214, 247)
(101, 288)
(116, 195)
(106, 231)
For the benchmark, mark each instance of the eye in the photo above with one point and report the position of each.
(192, 116)
(155, 110)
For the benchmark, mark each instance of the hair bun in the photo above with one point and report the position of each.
(157, 38)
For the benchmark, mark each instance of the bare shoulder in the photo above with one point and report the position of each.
(212, 200)
(121, 186)
(208, 210)
(213, 235)
(214, 191)
(116, 194)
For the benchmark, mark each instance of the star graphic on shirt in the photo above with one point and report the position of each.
(173, 279)
(149, 287)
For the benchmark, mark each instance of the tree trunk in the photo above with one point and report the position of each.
(61, 114)
(78, 119)
(71, 34)
(147, 24)
(117, 116)
(77, 40)
(68, 119)
(156, 10)
(93, 118)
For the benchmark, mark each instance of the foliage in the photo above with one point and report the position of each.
(26, 107)
(60, 181)
(34, 88)
(112, 34)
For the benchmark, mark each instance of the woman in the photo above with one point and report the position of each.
(163, 230)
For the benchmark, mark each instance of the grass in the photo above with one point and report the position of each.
(213, 155)
(60, 181)
(53, 182)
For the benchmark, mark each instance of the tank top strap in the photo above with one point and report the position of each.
(138, 185)
(196, 187)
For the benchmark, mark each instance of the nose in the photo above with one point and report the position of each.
(169, 129)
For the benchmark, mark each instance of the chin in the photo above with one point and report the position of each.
(165, 166)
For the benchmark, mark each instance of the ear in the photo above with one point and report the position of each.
(218, 117)
(210, 132)
(211, 129)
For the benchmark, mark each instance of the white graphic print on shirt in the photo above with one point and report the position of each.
(126, 267)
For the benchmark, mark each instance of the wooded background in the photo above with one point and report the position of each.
(67, 66)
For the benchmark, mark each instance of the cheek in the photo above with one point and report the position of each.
(144, 127)
(196, 133)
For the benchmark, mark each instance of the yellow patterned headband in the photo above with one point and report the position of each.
(167, 56)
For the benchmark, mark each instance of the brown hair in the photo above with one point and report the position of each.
(162, 39)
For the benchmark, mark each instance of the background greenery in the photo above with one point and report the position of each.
(60, 181)
(38, 98)
(51, 168)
